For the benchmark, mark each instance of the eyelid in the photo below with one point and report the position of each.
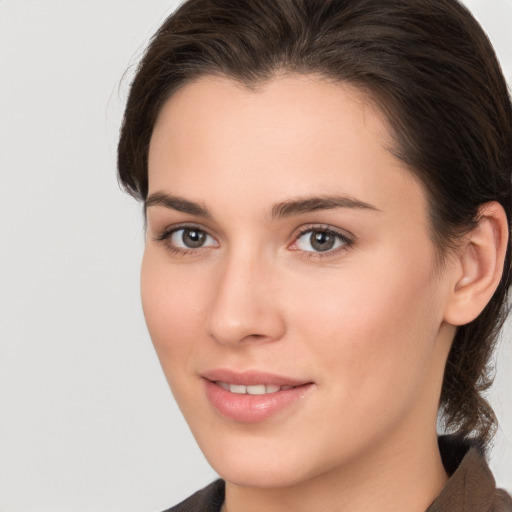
(347, 238)
(169, 229)
(164, 236)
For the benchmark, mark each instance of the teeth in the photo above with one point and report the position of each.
(237, 388)
(258, 389)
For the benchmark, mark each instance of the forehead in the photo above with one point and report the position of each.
(277, 105)
(296, 134)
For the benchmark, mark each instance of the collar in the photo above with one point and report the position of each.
(471, 486)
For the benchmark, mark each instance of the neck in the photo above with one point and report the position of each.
(394, 477)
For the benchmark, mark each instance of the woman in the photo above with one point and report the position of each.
(327, 192)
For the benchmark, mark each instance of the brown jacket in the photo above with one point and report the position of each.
(471, 487)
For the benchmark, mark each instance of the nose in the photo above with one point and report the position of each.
(245, 306)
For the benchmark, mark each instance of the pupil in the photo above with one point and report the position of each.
(322, 241)
(193, 238)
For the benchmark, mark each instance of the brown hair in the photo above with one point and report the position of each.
(427, 64)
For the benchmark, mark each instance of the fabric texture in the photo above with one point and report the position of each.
(470, 488)
(209, 499)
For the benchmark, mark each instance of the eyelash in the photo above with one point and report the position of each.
(165, 236)
(346, 241)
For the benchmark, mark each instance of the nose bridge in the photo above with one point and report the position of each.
(243, 305)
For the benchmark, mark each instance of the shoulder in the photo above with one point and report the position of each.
(209, 499)
(471, 486)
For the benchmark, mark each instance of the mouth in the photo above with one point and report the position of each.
(250, 397)
(256, 389)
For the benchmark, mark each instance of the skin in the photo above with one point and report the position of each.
(370, 322)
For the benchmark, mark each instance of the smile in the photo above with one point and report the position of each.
(258, 389)
(253, 396)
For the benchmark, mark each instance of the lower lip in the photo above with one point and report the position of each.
(252, 408)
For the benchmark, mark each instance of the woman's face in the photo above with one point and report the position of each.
(289, 281)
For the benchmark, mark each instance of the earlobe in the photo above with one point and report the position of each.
(479, 265)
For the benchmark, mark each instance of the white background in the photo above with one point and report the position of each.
(87, 421)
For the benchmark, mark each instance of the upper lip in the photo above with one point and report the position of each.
(250, 378)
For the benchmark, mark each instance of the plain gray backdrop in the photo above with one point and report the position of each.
(87, 422)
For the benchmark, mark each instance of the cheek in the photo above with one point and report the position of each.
(171, 300)
(374, 328)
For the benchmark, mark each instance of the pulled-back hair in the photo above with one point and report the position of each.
(430, 68)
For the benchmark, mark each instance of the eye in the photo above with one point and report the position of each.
(190, 238)
(320, 240)
(186, 238)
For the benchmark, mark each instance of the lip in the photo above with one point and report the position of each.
(247, 408)
(251, 378)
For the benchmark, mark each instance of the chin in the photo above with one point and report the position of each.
(260, 461)
(262, 474)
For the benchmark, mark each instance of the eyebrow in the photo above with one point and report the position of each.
(177, 203)
(314, 203)
(284, 209)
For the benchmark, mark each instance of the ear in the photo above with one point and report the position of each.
(479, 265)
